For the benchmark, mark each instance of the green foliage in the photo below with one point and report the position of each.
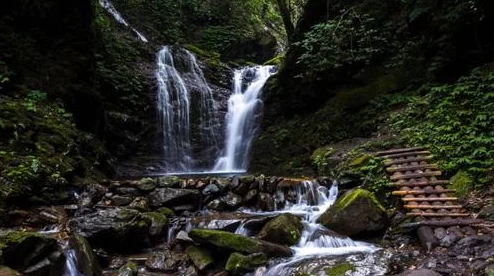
(351, 41)
(462, 183)
(455, 121)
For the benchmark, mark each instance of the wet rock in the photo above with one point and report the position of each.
(121, 200)
(169, 197)
(114, 229)
(169, 182)
(201, 257)
(6, 271)
(487, 212)
(265, 202)
(147, 184)
(165, 211)
(242, 189)
(184, 208)
(449, 239)
(210, 189)
(440, 233)
(165, 261)
(216, 205)
(232, 200)
(419, 272)
(427, 238)
(31, 253)
(86, 261)
(129, 269)
(472, 241)
(279, 199)
(183, 236)
(250, 196)
(126, 191)
(357, 212)
(284, 229)
(248, 179)
(159, 224)
(238, 264)
(238, 243)
(140, 204)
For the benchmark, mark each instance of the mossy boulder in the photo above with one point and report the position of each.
(462, 183)
(201, 257)
(340, 269)
(31, 253)
(86, 260)
(168, 197)
(356, 213)
(159, 223)
(238, 243)
(284, 229)
(238, 264)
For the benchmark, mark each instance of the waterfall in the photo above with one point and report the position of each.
(108, 6)
(243, 106)
(177, 95)
(71, 264)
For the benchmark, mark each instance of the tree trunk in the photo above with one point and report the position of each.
(287, 18)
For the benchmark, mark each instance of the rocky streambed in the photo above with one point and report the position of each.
(226, 226)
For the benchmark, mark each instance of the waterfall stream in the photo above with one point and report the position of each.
(108, 6)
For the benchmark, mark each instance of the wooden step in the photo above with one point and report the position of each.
(430, 199)
(433, 206)
(415, 175)
(423, 214)
(425, 192)
(389, 162)
(394, 151)
(419, 183)
(405, 154)
(412, 168)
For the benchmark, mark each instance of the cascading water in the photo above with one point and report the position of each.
(176, 91)
(108, 6)
(243, 106)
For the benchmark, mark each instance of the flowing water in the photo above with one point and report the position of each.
(243, 108)
(108, 6)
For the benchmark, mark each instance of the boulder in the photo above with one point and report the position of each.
(119, 200)
(238, 243)
(31, 253)
(238, 264)
(265, 202)
(210, 189)
(232, 200)
(114, 229)
(147, 184)
(86, 261)
(169, 197)
(357, 212)
(159, 224)
(201, 257)
(129, 269)
(284, 229)
(165, 261)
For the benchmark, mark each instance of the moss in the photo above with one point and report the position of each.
(165, 211)
(276, 61)
(284, 229)
(201, 257)
(360, 160)
(156, 217)
(340, 269)
(129, 269)
(238, 263)
(226, 240)
(349, 197)
(462, 183)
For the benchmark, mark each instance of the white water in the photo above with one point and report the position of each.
(108, 6)
(316, 240)
(241, 128)
(71, 264)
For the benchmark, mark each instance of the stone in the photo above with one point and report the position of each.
(427, 238)
(183, 237)
(238, 264)
(201, 257)
(419, 272)
(210, 189)
(440, 233)
(340, 269)
(190, 271)
(165, 211)
(114, 229)
(165, 261)
(168, 197)
(216, 205)
(121, 200)
(232, 200)
(129, 269)
(86, 261)
(250, 196)
(238, 243)
(147, 184)
(356, 213)
(248, 179)
(126, 191)
(169, 182)
(285, 229)
(487, 212)
(6, 271)
(265, 202)
(159, 224)
(31, 253)
(140, 204)
(279, 199)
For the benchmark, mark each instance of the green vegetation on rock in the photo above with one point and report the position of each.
(238, 263)
(340, 269)
(284, 229)
(201, 257)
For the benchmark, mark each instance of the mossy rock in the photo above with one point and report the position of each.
(159, 223)
(285, 229)
(87, 263)
(238, 264)
(238, 243)
(201, 257)
(169, 181)
(462, 183)
(340, 269)
(356, 213)
(147, 184)
(129, 269)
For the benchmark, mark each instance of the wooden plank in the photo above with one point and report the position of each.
(423, 214)
(405, 154)
(425, 192)
(408, 160)
(430, 199)
(415, 175)
(441, 223)
(419, 183)
(433, 206)
(412, 168)
(393, 151)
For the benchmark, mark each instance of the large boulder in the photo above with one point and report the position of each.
(238, 264)
(284, 229)
(86, 261)
(356, 213)
(114, 229)
(168, 197)
(238, 243)
(201, 257)
(31, 253)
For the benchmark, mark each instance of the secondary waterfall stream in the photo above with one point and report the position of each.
(108, 6)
